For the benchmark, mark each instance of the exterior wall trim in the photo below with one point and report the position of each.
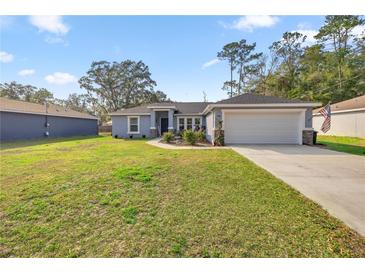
(162, 108)
(189, 114)
(129, 114)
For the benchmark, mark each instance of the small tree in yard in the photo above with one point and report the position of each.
(200, 135)
(167, 137)
(189, 137)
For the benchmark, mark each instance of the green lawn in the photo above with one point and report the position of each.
(102, 197)
(351, 145)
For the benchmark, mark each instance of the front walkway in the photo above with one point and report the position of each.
(335, 180)
(156, 143)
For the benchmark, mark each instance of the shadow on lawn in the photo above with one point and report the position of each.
(34, 142)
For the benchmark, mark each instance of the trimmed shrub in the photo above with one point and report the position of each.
(167, 137)
(189, 137)
(200, 135)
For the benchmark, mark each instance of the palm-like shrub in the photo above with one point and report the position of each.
(189, 137)
(200, 135)
(168, 136)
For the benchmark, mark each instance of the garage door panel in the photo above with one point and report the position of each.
(262, 128)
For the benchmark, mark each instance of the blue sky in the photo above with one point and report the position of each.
(54, 52)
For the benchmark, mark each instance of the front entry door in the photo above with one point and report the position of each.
(164, 125)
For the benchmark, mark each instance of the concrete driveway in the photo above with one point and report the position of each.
(333, 179)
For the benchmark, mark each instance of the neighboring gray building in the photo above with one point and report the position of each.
(244, 119)
(21, 120)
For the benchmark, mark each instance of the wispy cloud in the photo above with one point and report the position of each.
(60, 78)
(6, 57)
(49, 23)
(251, 22)
(26, 72)
(53, 25)
(210, 63)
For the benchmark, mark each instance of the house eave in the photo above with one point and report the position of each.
(189, 114)
(273, 105)
(161, 107)
(129, 114)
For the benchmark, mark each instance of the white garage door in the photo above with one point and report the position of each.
(263, 127)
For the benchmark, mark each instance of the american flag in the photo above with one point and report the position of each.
(326, 113)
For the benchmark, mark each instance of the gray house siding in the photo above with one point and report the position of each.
(120, 126)
(67, 126)
(309, 118)
(22, 126)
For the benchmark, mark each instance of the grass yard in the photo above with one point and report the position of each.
(102, 197)
(351, 145)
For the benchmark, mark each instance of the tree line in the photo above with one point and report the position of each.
(330, 70)
(110, 86)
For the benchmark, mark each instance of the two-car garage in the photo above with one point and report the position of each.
(263, 126)
(258, 119)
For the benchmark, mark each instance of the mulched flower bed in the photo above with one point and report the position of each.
(180, 142)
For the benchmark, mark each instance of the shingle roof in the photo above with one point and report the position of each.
(134, 110)
(354, 103)
(249, 98)
(9, 105)
(181, 108)
(191, 107)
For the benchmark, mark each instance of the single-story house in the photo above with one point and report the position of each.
(347, 118)
(21, 120)
(244, 119)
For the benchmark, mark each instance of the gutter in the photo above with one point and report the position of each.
(127, 114)
(273, 105)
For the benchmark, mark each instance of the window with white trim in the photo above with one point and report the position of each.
(192, 123)
(189, 123)
(197, 123)
(133, 124)
(181, 124)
